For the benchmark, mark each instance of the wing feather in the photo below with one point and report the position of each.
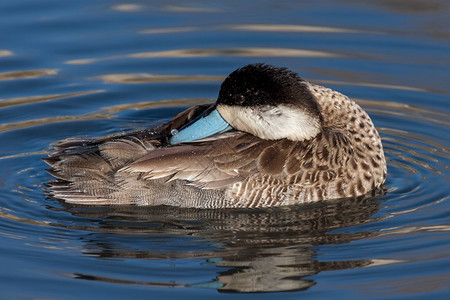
(208, 163)
(233, 157)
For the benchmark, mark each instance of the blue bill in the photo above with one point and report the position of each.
(202, 128)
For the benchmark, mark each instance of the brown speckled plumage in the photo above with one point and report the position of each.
(232, 169)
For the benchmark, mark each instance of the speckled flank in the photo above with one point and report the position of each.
(345, 160)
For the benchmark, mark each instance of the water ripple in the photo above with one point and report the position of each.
(154, 78)
(293, 28)
(41, 98)
(6, 53)
(27, 74)
(127, 7)
(104, 113)
(190, 9)
(188, 53)
(258, 28)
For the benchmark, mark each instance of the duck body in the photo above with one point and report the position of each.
(271, 139)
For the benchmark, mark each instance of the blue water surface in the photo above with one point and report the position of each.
(93, 68)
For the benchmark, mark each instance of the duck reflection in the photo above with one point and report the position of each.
(259, 250)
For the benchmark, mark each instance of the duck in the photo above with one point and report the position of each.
(271, 139)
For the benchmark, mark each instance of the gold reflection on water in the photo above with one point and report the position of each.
(37, 122)
(44, 246)
(190, 9)
(85, 61)
(404, 110)
(292, 28)
(6, 53)
(24, 154)
(156, 104)
(384, 262)
(12, 236)
(104, 113)
(27, 74)
(41, 98)
(127, 7)
(12, 217)
(416, 229)
(368, 79)
(267, 52)
(258, 27)
(153, 78)
(168, 30)
(186, 53)
(368, 84)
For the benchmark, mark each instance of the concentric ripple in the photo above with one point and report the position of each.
(273, 245)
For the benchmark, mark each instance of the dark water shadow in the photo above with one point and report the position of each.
(259, 250)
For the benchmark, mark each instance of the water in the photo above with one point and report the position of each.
(92, 68)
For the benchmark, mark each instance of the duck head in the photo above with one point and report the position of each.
(266, 101)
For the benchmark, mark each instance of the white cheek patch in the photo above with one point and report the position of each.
(272, 122)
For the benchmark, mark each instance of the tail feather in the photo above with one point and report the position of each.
(85, 170)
